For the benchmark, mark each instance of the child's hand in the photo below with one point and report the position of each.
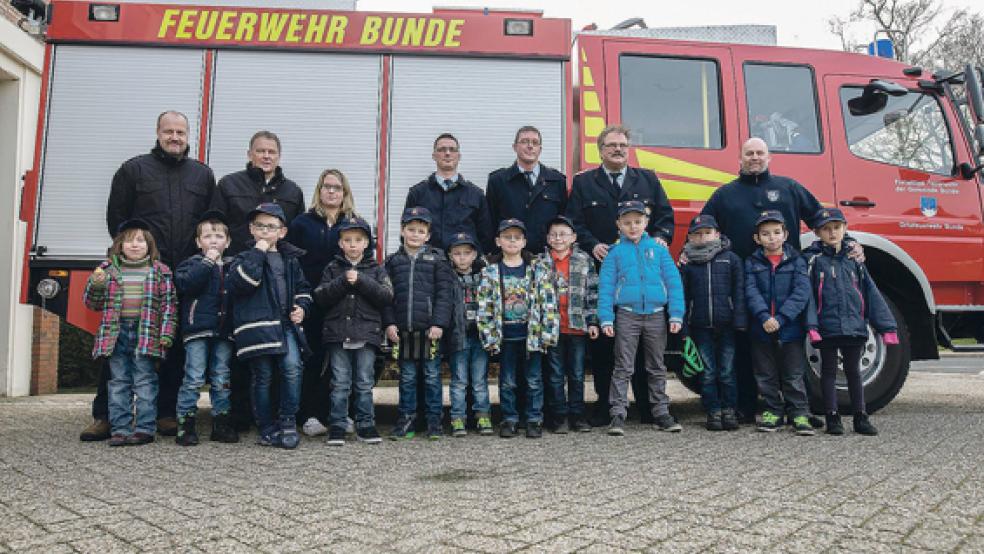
(262, 245)
(393, 334)
(592, 332)
(435, 332)
(297, 314)
(814, 336)
(213, 254)
(608, 330)
(98, 276)
(351, 276)
(675, 327)
(166, 342)
(891, 337)
(771, 325)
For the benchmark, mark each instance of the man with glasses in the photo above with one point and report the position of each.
(527, 190)
(593, 207)
(455, 204)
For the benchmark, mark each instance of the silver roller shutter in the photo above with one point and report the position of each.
(482, 102)
(324, 108)
(104, 103)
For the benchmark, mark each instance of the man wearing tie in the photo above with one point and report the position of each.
(593, 207)
(527, 190)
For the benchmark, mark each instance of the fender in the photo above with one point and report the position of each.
(892, 249)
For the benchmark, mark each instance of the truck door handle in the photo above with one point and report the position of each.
(858, 203)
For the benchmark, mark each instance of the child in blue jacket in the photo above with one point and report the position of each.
(777, 290)
(844, 301)
(638, 280)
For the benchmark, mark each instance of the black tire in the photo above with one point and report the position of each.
(884, 369)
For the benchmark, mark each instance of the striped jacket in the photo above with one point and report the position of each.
(543, 330)
(158, 314)
(258, 318)
(582, 288)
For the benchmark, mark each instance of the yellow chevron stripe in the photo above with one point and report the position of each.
(593, 126)
(591, 154)
(672, 166)
(586, 79)
(590, 102)
(584, 56)
(682, 190)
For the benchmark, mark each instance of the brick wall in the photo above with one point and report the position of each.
(44, 353)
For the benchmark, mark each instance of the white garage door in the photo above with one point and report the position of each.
(324, 108)
(482, 102)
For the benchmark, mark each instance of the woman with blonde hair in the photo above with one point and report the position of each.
(316, 231)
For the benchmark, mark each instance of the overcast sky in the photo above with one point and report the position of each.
(799, 23)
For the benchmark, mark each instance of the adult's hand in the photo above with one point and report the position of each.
(600, 251)
(856, 252)
(393, 334)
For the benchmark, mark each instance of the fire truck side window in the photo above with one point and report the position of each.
(909, 132)
(782, 107)
(671, 101)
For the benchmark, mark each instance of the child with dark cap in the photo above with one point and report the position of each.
(271, 298)
(777, 290)
(843, 303)
(714, 290)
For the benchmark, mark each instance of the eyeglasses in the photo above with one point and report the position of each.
(333, 188)
(616, 145)
(511, 238)
(528, 142)
(553, 236)
(266, 226)
(446, 149)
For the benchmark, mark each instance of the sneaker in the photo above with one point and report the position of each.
(368, 435)
(187, 432)
(864, 427)
(714, 422)
(581, 425)
(834, 425)
(770, 422)
(534, 430)
(816, 421)
(269, 438)
(434, 431)
(458, 427)
(404, 428)
(666, 423)
(117, 440)
(98, 430)
(801, 424)
(289, 437)
(138, 439)
(349, 425)
(485, 425)
(336, 436)
(561, 428)
(167, 426)
(617, 426)
(507, 429)
(729, 420)
(223, 430)
(313, 427)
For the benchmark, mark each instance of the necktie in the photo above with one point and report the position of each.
(447, 184)
(615, 177)
(529, 178)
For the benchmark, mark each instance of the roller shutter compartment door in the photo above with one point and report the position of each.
(480, 101)
(324, 108)
(103, 108)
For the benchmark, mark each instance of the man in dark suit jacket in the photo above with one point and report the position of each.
(593, 207)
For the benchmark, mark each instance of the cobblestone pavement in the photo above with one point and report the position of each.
(916, 487)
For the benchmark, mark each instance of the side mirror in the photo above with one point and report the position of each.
(874, 98)
(972, 84)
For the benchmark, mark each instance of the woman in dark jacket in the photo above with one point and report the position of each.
(316, 232)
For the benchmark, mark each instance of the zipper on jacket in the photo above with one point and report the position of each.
(191, 312)
(413, 262)
(857, 289)
(820, 294)
(710, 296)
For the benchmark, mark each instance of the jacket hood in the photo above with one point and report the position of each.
(754, 178)
(160, 154)
(256, 174)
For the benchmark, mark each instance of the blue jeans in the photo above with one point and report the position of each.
(131, 374)
(263, 367)
(719, 388)
(207, 355)
(470, 366)
(567, 360)
(348, 366)
(513, 359)
(432, 388)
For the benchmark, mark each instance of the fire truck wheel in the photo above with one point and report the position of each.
(884, 369)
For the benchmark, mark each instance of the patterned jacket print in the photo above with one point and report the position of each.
(543, 327)
(582, 288)
(158, 314)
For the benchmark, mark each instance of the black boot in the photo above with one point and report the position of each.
(223, 429)
(729, 420)
(714, 422)
(187, 434)
(862, 426)
(834, 425)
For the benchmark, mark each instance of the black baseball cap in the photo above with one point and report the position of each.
(703, 222)
(355, 222)
(510, 223)
(827, 215)
(268, 208)
(630, 206)
(463, 238)
(561, 219)
(133, 223)
(770, 216)
(416, 213)
(214, 215)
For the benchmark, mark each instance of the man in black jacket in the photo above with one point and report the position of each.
(261, 182)
(456, 205)
(593, 207)
(170, 191)
(527, 190)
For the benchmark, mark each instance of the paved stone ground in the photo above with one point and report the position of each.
(916, 487)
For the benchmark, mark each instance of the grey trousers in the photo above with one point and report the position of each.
(631, 330)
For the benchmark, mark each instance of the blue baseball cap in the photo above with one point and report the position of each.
(463, 238)
(416, 213)
(770, 216)
(703, 222)
(632, 206)
(268, 208)
(511, 223)
(355, 222)
(827, 215)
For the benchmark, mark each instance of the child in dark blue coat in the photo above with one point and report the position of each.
(777, 289)
(714, 289)
(844, 301)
